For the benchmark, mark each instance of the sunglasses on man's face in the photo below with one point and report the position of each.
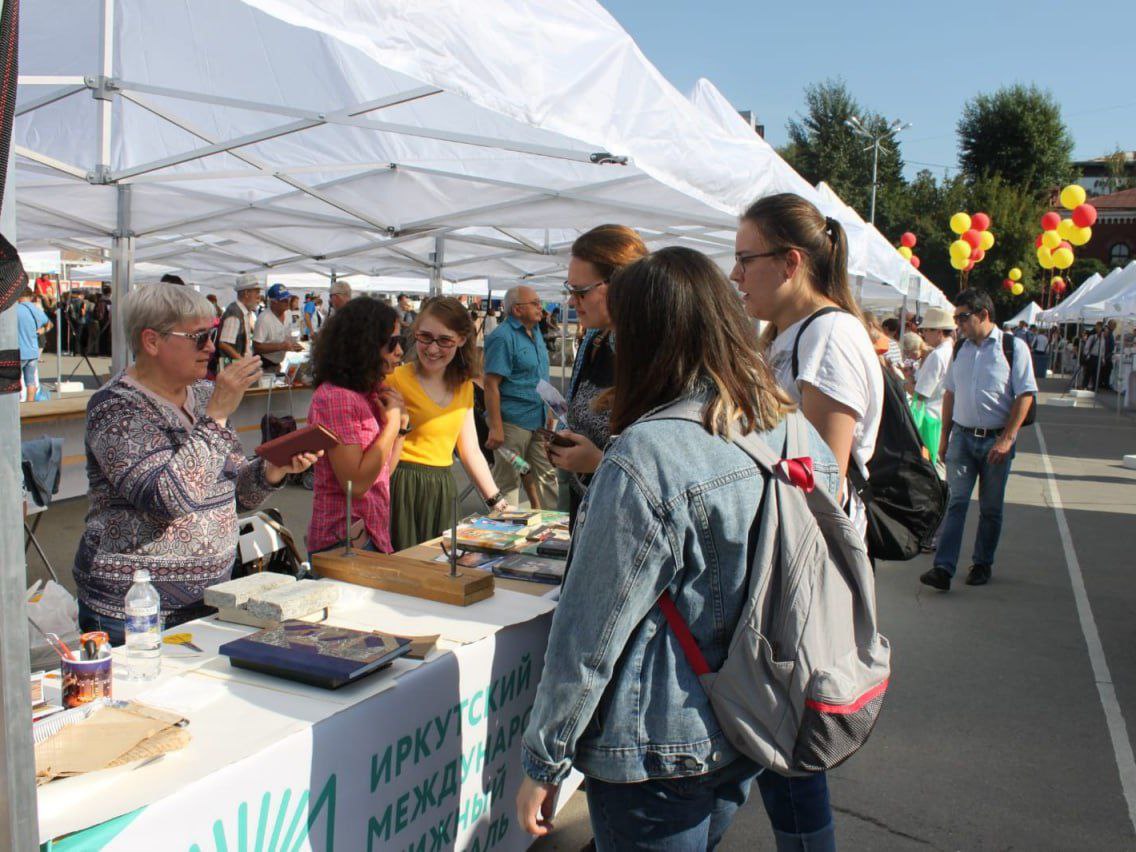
(199, 338)
(964, 316)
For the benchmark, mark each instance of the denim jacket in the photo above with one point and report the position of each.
(671, 507)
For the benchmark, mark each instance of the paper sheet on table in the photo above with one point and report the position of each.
(372, 609)
(183, 694)
(98, 741)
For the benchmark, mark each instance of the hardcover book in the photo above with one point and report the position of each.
(532, 568)
(317, 654)
(310, 439)
(472, 538)
(520, 517)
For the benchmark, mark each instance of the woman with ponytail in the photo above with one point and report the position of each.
(791, 266)
(437, 386)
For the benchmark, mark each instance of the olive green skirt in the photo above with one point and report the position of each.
(422, 502)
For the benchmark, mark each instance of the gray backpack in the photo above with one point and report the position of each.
(806, 671)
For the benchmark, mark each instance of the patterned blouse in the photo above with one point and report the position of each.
(162, 497)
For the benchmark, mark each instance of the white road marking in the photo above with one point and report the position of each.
(1114, 718)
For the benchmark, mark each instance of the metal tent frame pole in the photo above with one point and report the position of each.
(19, 819)
(438, 260)
(122, 277)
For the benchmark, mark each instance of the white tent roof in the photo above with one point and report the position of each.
(1066, 311)
(1105, 301)
(1029, 313)
(417, 140)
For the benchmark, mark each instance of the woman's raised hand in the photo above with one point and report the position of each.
(230, 385)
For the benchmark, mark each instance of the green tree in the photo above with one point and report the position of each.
(822, 147)
(1119, 173)
(1018, 134)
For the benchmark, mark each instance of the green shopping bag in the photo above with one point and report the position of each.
(929, 426)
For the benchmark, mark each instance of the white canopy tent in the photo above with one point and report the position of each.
(1029, 314)
(1106, 300)
(1067, 310)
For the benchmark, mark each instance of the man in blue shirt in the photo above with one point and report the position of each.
(30, 320)
(516, 360)
(986, 401)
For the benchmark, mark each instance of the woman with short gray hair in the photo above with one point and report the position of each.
(167, 472)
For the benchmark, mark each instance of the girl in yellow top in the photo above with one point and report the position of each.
(438, 389)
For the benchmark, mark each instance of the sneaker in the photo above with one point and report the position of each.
(979, 575)
(936, 578)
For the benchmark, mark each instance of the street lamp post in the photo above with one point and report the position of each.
(858, 128)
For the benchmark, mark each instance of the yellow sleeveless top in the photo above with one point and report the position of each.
(433, 430)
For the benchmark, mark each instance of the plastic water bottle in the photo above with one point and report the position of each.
(519, 464)
(143, 629)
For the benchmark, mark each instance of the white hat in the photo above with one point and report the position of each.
(248, 281)
(938, 318)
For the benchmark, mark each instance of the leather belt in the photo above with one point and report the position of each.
(980, 433)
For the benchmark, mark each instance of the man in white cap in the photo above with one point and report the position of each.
(239, 320)
(936, 329)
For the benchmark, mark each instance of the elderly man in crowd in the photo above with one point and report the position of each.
(238, 322)
(273, 337)
(167, 471)
(337, 296)
(516, 360)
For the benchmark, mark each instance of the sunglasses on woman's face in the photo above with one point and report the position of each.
(395, 342)
(199, 338)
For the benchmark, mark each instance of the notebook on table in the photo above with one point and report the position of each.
(318, 654)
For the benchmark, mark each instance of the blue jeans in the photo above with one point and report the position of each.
(115, 628)
(692, 814)
(966, 462)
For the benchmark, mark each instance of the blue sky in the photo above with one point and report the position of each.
(916, 61)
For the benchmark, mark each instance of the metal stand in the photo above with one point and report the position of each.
(454, 536)
(347, 525)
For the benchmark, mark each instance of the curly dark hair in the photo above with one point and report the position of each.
(349, 349)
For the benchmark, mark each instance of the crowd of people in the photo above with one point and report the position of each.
(656, 505)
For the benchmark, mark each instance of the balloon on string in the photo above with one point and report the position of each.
(980, 222)
(1045, 258)
(960, 223)
(915, 261)
(1014, 274)
(985, 240)
(1085, 216)
(1072, 196)
(1017, 289)
(977, 256)
(973, 237)
(1007, 284)
(1050, 221)
(1038, 243)
(904, 252)
(1063, 258)
(960, 263)
(1059, 285)
(1065, 228)
(1051, 240)
(907, 239)
(960, 250)
(1080, 236)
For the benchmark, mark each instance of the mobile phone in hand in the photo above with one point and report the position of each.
(553, 438)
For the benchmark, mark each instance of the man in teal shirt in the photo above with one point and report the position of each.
(30, 320)
(516, 360)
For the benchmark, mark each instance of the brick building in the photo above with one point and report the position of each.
(1114, 234)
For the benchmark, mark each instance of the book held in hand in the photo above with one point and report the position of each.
(318, 654)
(310, 439)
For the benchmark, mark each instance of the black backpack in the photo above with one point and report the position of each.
(904, 497)
(1008, 352)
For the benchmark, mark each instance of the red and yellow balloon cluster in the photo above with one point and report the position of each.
(906, 248)
(1013, 282)
(1058, 236)
(974, 240)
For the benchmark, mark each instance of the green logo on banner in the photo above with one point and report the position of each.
(290, 824)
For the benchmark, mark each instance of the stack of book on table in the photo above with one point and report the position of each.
(523, 545)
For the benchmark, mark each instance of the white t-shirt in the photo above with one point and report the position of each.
(929, 379)
(271, 330)
(836, 357)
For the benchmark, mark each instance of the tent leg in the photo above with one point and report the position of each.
(19, 821)
(438, 260)
(58, 345)
(122, 276)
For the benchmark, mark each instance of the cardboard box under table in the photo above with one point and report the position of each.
(419, 750)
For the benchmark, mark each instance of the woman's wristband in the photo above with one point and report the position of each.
(494, 500)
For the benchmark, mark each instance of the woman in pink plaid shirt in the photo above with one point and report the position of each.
(356, 349)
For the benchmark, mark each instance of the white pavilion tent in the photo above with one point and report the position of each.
(1029, 314)
(1067, 310)
(1106, 300)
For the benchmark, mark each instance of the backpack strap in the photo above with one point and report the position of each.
(1008, 351)
(831, 309)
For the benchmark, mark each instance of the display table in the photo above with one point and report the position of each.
(66, 418)
(425, 754)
